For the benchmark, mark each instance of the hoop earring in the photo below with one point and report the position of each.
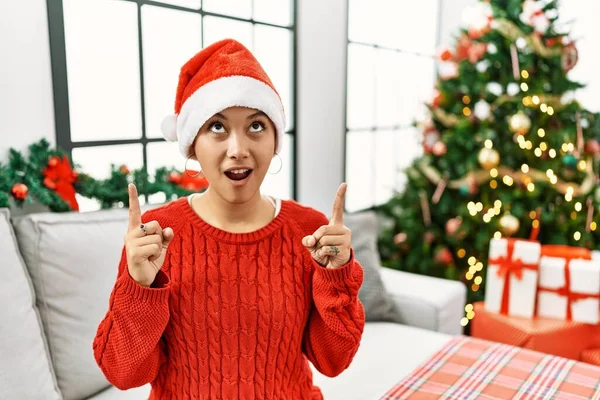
(186, 169)
(280, 165)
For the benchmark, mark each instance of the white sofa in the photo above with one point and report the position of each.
(58, 270)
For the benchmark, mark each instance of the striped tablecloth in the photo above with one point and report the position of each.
(470, 368)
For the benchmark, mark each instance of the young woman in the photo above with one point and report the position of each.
(228, 294)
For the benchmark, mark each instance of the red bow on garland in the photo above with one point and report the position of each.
(59, 176)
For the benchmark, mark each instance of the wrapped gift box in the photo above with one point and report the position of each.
(591, 356)
(552, 336)
(512, 277)
(569, 285)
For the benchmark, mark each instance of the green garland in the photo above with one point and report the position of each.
(22, 181)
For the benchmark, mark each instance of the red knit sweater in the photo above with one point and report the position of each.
(232, 316)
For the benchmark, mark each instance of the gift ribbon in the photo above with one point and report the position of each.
(509, 265)
(565, 291)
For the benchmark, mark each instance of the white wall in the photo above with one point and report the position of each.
(26, 99)
(321, 100)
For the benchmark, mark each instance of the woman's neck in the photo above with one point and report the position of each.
(237, 218)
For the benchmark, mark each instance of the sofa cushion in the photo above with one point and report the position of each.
(378, 303)
(73, 260)
(387, 353)
(25, 368)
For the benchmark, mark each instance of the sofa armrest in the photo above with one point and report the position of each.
(427, 302)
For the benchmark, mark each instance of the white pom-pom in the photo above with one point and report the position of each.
(169, 127)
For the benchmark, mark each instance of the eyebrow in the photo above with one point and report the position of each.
(256, 114)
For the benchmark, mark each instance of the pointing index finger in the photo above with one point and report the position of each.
(337, 217)
(135, 215)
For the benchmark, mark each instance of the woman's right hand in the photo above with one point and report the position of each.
(145, 244)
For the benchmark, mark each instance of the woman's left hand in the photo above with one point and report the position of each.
(330, 244)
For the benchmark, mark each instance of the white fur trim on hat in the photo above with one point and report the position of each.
(169, 127)
(223, 93)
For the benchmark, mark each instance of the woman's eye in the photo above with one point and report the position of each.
(217, 128)
(257, 127)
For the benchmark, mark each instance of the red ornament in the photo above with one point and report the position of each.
(59, 176)
(444, 256)
(592, 147)
(446, 55)
(430, 137)
(400, 238)
(439, 149)
(453, 225)
(53, 161)
(570, 57)
(19, 191)
(467, 49)
(124, 170)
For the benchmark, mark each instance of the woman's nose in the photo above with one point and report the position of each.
(237, 146)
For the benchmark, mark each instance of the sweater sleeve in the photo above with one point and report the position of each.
(337, 318)
(127, 345)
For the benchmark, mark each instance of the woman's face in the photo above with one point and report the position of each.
(235, 148)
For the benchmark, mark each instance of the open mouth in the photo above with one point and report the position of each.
(238, 174)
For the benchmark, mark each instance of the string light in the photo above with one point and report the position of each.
(498, 204)
(536, 100)
(469, 308)
(569, 194)
(528, 145)
(543, 146)
(466, 99)
(582, 165)
(488, 144)
(464, 322)
(524, 87)
(525, 74)
(543, 107)
(508, 181)
(564, 147)
(593, 226)
(527, 101)
(573, 215)
(467, 111)
(469, 275)
(461, 253)
(541, 132)
(493, 184)
(479, 266)
(525, 168)
(493, 172)
(550, 110)
(552, 153)
(532, 214)
(577, 236)
(472, 261)
(471, 314)
(535, 224)
(538, 152)
(570, 147)
(578, 206)
(497, 235)
(478, 280)
(530, 186)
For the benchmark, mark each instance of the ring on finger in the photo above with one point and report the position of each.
(334, 250)
(144, 229)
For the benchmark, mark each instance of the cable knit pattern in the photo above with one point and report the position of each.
(232, 316)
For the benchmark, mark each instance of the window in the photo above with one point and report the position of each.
(115, 66)
(390, 75)
(578, 18)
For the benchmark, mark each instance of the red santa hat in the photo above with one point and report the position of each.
(222, 75)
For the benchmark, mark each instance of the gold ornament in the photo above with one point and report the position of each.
(519, 123)
(488, 158)
(509, 224)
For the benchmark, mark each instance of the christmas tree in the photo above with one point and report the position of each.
(508, 151)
